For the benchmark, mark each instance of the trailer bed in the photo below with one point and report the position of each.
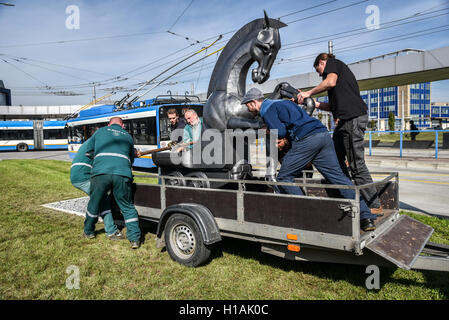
(319, 225)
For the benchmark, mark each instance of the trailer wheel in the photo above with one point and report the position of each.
(22, 147)
(198, 183)
(176, 182)
(184, 241)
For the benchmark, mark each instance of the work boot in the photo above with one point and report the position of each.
(378, 211)
(367, 225)
(117, 235)
(135, 244)
(89, 236)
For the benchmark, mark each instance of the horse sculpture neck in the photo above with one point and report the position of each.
(257, 41)
(232, 67)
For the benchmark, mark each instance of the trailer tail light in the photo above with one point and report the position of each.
(293, 237)
(293, 247)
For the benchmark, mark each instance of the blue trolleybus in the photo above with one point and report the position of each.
(146, 121)
(32, 135)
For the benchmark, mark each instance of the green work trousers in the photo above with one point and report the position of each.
(104, 212)
(122, 190)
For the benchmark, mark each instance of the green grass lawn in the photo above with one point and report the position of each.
(37, 245)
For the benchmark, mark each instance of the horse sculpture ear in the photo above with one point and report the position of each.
(267, 20)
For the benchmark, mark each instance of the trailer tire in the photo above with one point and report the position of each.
(22, 147)
(198, 183)
(176, 182)
(184, 241)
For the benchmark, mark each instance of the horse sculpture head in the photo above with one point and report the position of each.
(264, 50)
(258, 41)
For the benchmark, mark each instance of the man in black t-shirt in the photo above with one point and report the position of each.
(351, 117)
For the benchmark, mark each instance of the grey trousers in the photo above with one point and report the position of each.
(349, 144)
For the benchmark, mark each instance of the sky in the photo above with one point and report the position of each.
(56, 52)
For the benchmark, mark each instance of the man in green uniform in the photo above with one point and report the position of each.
(80, 178)
(113, 156)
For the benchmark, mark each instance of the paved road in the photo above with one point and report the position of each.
(422, 190)
(44, 155)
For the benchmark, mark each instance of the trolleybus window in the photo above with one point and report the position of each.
(16, 134)
(164, 123)
(144, 131)
(54, 134)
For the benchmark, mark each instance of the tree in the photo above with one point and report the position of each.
(391, 121)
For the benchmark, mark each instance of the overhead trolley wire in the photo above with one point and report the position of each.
(179, 17)
(326, 12)
(372, 43)
(305, 9)
(382, 26)
(79, 40)
(31, 76)
(191, 64)
(171, 67)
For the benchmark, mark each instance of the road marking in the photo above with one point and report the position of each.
(423, 181)
(420, 181)
(415, 174)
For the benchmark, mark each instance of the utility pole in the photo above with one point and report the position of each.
(93, 92)
(403, 113)
(378, 112)
(330, 46)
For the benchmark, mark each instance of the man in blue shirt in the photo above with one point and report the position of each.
(310, 142)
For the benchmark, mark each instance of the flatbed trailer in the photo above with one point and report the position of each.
(319, 226)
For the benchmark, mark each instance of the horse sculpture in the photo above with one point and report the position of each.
(259, 41)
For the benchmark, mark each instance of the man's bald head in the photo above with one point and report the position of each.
(116, 120)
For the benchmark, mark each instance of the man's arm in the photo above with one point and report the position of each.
(323, 106)
(326, 84)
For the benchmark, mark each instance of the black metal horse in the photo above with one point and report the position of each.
(259, 41)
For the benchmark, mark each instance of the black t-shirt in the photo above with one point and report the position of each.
(345, 100)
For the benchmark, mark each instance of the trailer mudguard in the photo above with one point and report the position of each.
(200, 214)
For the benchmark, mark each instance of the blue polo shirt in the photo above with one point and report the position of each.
(289, 119)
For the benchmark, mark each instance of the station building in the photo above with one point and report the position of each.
(440, 114)
(409, 102)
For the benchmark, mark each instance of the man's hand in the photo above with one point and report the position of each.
(302, 95)
(137, 153)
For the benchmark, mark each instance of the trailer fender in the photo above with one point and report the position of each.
(200, 214)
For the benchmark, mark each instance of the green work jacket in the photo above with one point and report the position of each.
(113, 151)
(82, 163)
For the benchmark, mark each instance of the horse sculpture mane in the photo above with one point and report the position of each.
(259, 41)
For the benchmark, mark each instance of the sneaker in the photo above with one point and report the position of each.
(378, 211)
(117, 235)
(135, 244)
(89, 236)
